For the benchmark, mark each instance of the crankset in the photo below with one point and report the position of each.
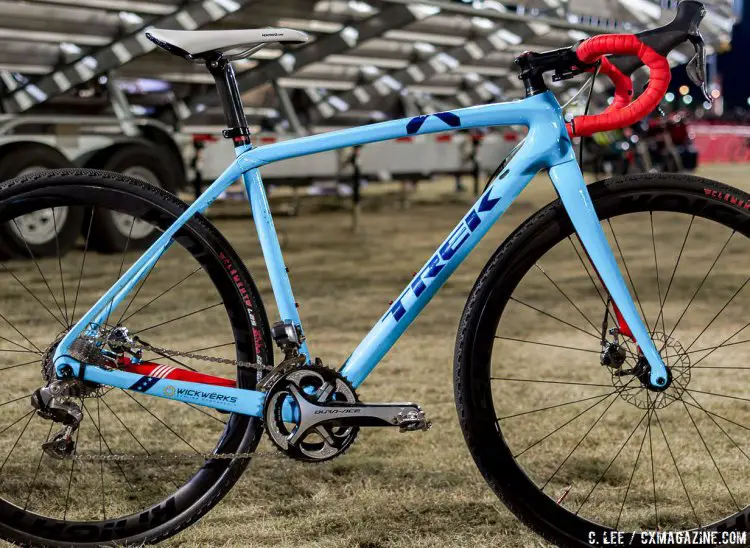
(312, 413)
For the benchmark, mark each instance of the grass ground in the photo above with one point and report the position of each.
(390, 490)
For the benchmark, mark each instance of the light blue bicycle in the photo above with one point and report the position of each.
(101, 371)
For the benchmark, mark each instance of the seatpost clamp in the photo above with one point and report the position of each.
(234, 132)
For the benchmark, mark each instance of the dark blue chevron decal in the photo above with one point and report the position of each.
(415, 124)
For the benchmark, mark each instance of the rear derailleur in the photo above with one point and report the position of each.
(52, 403)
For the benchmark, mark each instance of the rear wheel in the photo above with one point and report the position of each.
(576, 448)
(199, 281)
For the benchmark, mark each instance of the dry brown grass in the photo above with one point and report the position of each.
(391, 489)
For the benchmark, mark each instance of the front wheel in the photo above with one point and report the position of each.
(576, 445)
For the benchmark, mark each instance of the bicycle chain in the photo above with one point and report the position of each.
(173, 457)
(165, 352)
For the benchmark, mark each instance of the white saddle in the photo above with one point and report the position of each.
(232, 44)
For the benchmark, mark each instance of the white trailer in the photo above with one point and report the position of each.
(142, 148)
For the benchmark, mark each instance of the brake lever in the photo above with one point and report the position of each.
(696, 68)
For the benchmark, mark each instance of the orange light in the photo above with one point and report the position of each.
(684, 90)
(715, 93)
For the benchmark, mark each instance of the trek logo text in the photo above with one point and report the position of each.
(446, 252)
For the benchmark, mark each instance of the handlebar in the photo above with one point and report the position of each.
(621, 113)
(630, 51)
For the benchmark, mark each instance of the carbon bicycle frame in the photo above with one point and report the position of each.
(547, 146)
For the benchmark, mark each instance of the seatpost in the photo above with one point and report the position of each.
(231, 102)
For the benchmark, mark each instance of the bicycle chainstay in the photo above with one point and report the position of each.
(87, 349)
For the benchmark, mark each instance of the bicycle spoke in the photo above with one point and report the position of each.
(703, 281)
(710, 416)
(720, 367)
(565, 295)
(70, 481)
(730, 421)
(39, 269)
(578, 444)
(19, 365)
(138, 289)
(19, 419)
(38, 466)
(175, 360)
(33, 295)
(627, 271)
(19, 332)
(214, 417)
(653, 469)
(674, 271)
(106, 444)
(170, 288)
(540, 440)
(59, 264)
(585, 268)
(717, 347)
(550, 407)
(711, 456)
(161, 421)
(726, 304)
(83, 262)
(550, 381)
(23, 348)
(554, 317)
(721, 345)
(546, 344)
(674, 461)
(101, 461)
(601, 477)
(177, 318)
(656, 269)
(203, 349)
(695, 391)
(142, 446)
(15, 351)
(119, 272)
(15, 400)
(15, 443)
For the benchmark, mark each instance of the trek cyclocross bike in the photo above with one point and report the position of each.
(585, 409)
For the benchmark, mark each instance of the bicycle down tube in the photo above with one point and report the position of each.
(546, 146)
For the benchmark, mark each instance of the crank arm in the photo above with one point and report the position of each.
(406, 416)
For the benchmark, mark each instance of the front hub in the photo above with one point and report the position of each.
(632, 377)
(643, 373)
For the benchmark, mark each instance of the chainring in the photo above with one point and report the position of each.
(319, 385)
